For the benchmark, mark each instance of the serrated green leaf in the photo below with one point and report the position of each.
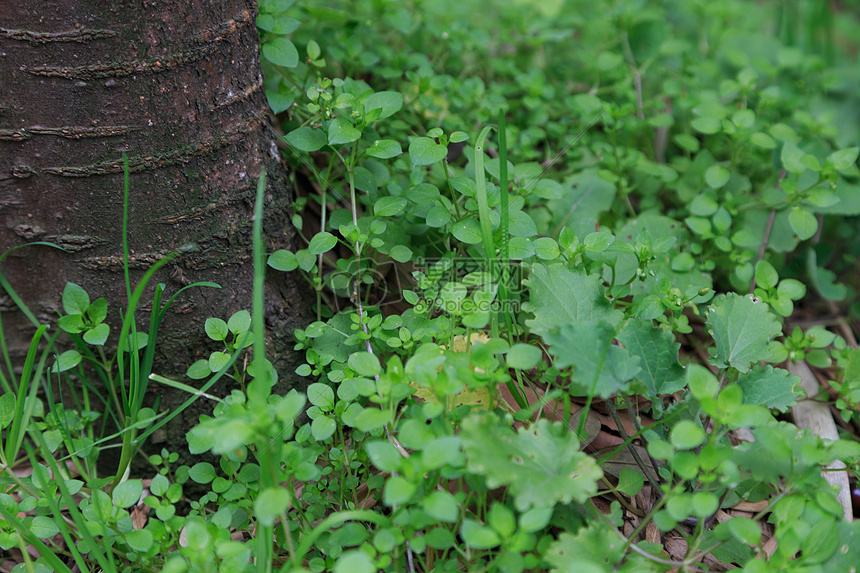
(321, 243)
(425, 151)
(769, 386)
(281, 52)
(742, 330)
(599, 366)
(559, 296)
(658, 357)
(306, 138)
(541, 465)
(341, 130)
(593, 549)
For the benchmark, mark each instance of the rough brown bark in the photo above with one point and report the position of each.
(177, 86)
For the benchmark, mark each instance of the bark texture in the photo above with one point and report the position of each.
(175, 84)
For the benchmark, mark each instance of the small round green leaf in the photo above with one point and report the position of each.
(216, 329)
(354, 561)
(322, 428)
(441, 505)
(398, 491)
(686, 434)
(400, 253)
(803, 223)
(365, 364)
(139, 540)
(763, 140)
(270, 503)
(97, 335)
(716, 176)
(479, 536)
(306, 138)
(744, 530)
(523, 356)
(467, 231)
(66, 361)
(43, 527)
(765, 275)
(341, 130)
(535, 519)
(321, 395)
(708, 125)
(199, 370)
(202, 472)
(387, 102)
(424, 151)
(630, 482)
(384, 456)
(218, 360)
(844, 158)
(389, 206)
(321, 243)
(127, 493)
(546, 248)
(75, 299)
(281, 52)
(239, 322)
(384, 149)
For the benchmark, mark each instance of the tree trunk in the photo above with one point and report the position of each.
(177, 86)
